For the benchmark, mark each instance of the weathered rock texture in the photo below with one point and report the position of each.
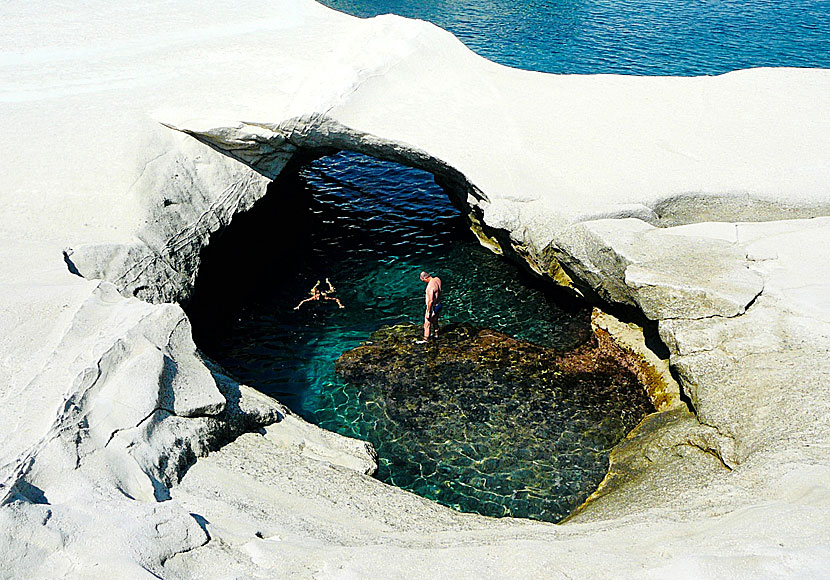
(495, 425)
(133, 133)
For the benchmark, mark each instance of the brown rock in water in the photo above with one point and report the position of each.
(484, 422)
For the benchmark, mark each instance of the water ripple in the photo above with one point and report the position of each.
(647, 37)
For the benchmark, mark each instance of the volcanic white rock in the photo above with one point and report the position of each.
(134, 132)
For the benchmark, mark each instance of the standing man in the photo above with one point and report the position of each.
(433, 299)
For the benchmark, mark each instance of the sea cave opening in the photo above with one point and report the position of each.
(514, 437)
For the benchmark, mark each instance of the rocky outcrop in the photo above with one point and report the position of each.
(138, 407)
(188, 193)
(753, 366)
(665, 276)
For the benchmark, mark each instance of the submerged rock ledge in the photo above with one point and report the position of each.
(157, 139)
(496, 426)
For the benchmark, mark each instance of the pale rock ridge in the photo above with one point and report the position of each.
(140, 408)
(127, 369)
(741, 370)
(188, 192)
(665, 276)
(104, 440)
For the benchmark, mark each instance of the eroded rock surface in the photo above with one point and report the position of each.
(486, 423)
(631, 262)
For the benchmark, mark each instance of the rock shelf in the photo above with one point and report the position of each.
(496, 426)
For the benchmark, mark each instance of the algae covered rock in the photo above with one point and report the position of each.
(483, 422)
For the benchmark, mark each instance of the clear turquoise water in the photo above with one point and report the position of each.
(372, 226)
(644, 37)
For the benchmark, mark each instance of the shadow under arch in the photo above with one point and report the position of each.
(370, 226)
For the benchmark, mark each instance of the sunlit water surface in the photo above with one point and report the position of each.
(644, 37)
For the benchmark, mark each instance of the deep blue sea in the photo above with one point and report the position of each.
(640, 37)
(372, 226)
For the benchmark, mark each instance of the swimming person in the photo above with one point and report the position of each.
(317, 294)
(433, 299)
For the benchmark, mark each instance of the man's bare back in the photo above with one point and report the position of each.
(433, 301)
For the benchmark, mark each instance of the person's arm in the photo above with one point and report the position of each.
(331, 287)
(430, 297)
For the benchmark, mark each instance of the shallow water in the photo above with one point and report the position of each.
(481, 422)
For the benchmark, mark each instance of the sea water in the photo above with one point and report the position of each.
(642, 37)
(372, 226)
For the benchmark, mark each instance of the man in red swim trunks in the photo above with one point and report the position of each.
(433, 299)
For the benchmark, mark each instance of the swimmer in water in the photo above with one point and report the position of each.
(317, 295)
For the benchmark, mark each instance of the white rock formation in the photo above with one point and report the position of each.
(134, 132)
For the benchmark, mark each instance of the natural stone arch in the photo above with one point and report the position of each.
(192, 192)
